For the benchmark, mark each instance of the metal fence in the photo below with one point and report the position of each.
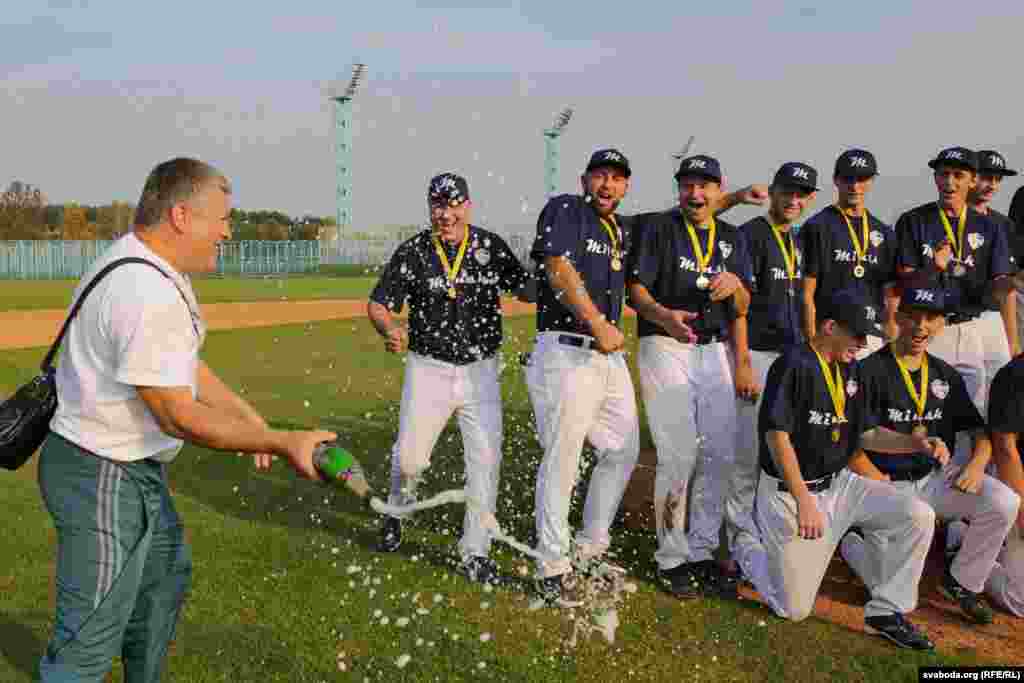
(67, 259)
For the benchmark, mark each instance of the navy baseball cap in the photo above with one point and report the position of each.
(856, 163)
(448, 188)
(927, 295)
(797, 174)
(960, 157)
(701, 166)
(852, 310)
(609, 157)
(991, 162)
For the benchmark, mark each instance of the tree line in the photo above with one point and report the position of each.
(25, 214)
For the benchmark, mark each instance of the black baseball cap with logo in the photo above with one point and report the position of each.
(796, 174)
(701, 166)
(609, 157)
(448, 188)
(928, 296)
(852, 310)
(958, 157)
(991, 162)
(856, 163)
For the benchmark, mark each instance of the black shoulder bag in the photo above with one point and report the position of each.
(25, 416)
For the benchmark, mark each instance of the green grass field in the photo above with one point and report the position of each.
(41, 294)
(276, 597)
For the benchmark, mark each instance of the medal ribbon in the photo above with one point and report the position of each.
(612, 234)
(788, 256)
(860, 246)
(451, 271)
(958, 244)
(835, 387)
(703, 259)
(919, 398)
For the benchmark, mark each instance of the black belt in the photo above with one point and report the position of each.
(909, 475)
(814, 486)
(703, 339)
(578, 342)
(958, 318)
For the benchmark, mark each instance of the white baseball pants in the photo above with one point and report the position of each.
(994, 344)
(991, 512)
(743, 533)
(904, 524)
(579, 395)
(431, 391)
(690, 399)
(1005, 584)
(960, 346)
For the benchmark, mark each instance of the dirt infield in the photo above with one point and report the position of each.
(23, 329)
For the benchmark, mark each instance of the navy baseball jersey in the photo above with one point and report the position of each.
(796, 401)
(773, 321)
(570, 227)
(986, 253)
(664, 261)
(1004, 223)
(1006, 400)
(461, 330)
(830, 255)
(948, 409)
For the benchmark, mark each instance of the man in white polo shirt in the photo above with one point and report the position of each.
(132, 390)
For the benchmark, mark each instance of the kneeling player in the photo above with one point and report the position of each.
(812, 419)
(911, 390)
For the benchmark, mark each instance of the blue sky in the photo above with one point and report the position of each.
(96, 93)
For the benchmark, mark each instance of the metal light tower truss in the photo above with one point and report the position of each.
(679, 156)
(551, 154)
(343, 149)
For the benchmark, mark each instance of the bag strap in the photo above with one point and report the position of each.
(47, 365)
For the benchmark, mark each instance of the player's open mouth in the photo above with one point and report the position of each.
(919, 338)
(695, 204)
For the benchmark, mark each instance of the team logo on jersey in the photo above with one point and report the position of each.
(851, 387)
(483, 256)
(976, 240)
(870, 313)
(725, 248)
(876, 238)
(940, 388)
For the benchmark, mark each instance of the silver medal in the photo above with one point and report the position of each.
(858, 271)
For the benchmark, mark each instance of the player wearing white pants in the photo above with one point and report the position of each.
(432, 390)
(579, 384)
(1006, 424)
(689, 267)
(772, 324)
(452, 276)
(813, 415)
(580, 394)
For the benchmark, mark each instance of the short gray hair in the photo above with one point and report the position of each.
(172, 183)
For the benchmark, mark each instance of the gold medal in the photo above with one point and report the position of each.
(837, 391)
(788, 256)
(703, 282)
(959, 270)
(956, 240)
(860, 244)
(703, 256)
(920, 398)
(616, 263)
(858, 271)
(451, 272)
(613, 236)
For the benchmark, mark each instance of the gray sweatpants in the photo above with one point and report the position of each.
(796, 566)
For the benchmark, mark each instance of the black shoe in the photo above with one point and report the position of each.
(559, 591)
(480, 569)
(689, 580)
(972, 604)
(897, 629)
(390, 535)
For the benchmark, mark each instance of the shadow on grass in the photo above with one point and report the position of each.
(19, 644)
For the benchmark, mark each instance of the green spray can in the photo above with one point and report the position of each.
(337, 466)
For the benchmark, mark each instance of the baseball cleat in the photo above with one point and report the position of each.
(390, 535)
(971, 603)
(559, 591)
(896, 629)
(481, 570)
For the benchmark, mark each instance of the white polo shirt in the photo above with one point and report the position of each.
(136, 328)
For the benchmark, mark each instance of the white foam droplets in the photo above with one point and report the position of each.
(485, 637)
(403, 660)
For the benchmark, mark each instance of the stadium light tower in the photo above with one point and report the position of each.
(343, 148)
(679, 156)
(551, 155)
